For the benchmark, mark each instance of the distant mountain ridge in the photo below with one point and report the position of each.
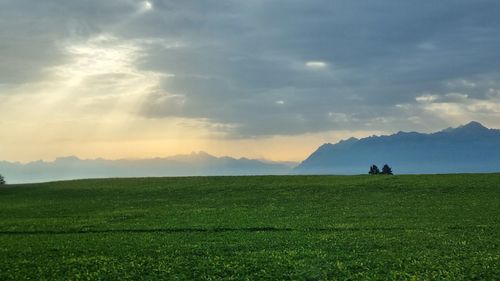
(468, 148)
(194, 164)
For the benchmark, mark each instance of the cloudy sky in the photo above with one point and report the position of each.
(255, 78)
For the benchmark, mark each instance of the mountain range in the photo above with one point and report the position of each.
(468, 148)
(194, 164)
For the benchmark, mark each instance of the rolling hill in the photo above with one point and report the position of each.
(405, 227)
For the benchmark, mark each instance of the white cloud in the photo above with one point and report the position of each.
(338, 117)
(456, 108)
(316, 64)
(461, 83)
(147, 5)
(99, 77)
(426, 98)
(457, 96)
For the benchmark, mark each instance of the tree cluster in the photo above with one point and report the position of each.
(2, 180)
(386, 170)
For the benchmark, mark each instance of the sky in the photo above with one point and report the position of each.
(258, 78)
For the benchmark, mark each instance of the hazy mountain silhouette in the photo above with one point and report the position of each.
(468, 148)
(194, 164)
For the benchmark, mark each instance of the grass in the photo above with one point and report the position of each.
(422, 227)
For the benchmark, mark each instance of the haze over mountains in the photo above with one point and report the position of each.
(194, 164)
(468, 148)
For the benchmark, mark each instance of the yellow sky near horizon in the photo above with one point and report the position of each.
(72, 138)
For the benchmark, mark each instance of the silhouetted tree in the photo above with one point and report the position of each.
(386, 170)
(2, 180)
(374, 170)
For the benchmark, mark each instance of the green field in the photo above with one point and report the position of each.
(428, 227)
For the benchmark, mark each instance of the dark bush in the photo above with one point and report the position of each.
(374, 170)
(386, 170)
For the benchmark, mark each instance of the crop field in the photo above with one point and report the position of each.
(418, 227)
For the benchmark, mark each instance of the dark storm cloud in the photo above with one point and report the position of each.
(244, 63)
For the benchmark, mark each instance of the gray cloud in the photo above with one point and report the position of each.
(244, 63)
(33, 32)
